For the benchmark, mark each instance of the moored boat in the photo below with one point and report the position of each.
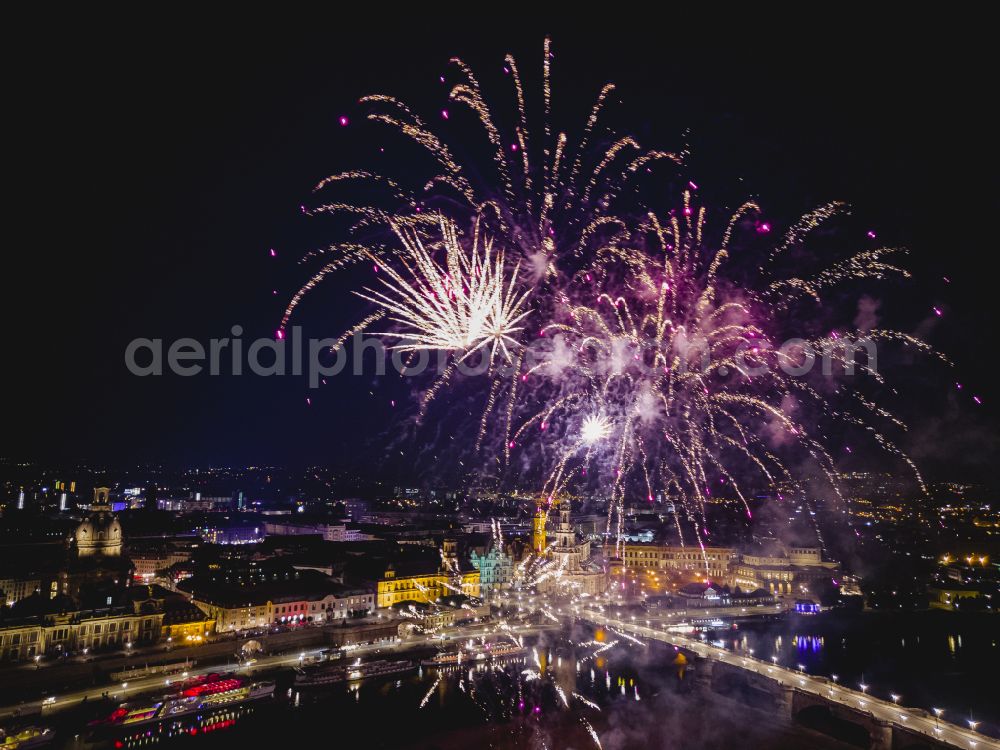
(25, 738)
(471, 655)
(203, 699)
(331, 674)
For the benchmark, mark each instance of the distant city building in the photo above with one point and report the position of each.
(149, 562)
(15, 588)
(233, 533)
(949, 596)
(331, 532)
(195, 503)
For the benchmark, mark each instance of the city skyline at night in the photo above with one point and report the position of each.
(519, 387)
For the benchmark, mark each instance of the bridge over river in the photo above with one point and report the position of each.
(811, 700)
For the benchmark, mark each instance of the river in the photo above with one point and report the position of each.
(630, 695)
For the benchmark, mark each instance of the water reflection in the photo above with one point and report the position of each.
(927, 658)
(568, 682)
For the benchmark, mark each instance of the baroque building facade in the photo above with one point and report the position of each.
(570, 567)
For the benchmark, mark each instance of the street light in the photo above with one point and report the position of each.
(864, 688)
(895, 698)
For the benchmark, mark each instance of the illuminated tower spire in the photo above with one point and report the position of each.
(538, 536)
(565, 536)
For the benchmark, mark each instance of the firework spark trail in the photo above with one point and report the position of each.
(562, 695)
(660, 368)
(586, 701)
(592, 733)
(600, 650)
(628, 637)
(430, 692)
(549, 614)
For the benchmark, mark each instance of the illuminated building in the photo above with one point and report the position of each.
(60, 628)
(782, 570)
(186, 627)
(496, 570)
(142, 615)
(151, 561)
(567, 551)
(715, 595)
(15, 588)
(95, 565)
(713, 562)
(539, 539)
(331, 532)
(949, 596)
(233, 533)
(101, 534)
(571, 558)
(307, 598)
(422, 585)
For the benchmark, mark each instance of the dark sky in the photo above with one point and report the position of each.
(153, 172)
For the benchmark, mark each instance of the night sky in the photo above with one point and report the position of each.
(153, 173)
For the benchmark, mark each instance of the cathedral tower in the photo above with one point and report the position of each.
(538, 536)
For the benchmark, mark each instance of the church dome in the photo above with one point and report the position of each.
(101, 533)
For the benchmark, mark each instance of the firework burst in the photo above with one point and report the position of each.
(641, 351)
(469, 302)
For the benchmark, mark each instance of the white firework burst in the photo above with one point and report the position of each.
(468, 302)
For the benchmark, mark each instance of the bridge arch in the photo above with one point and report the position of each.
(737, 684)
(820, 718)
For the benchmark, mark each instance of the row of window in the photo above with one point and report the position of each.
(62, 634)
(660, 555)
(329, 606)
